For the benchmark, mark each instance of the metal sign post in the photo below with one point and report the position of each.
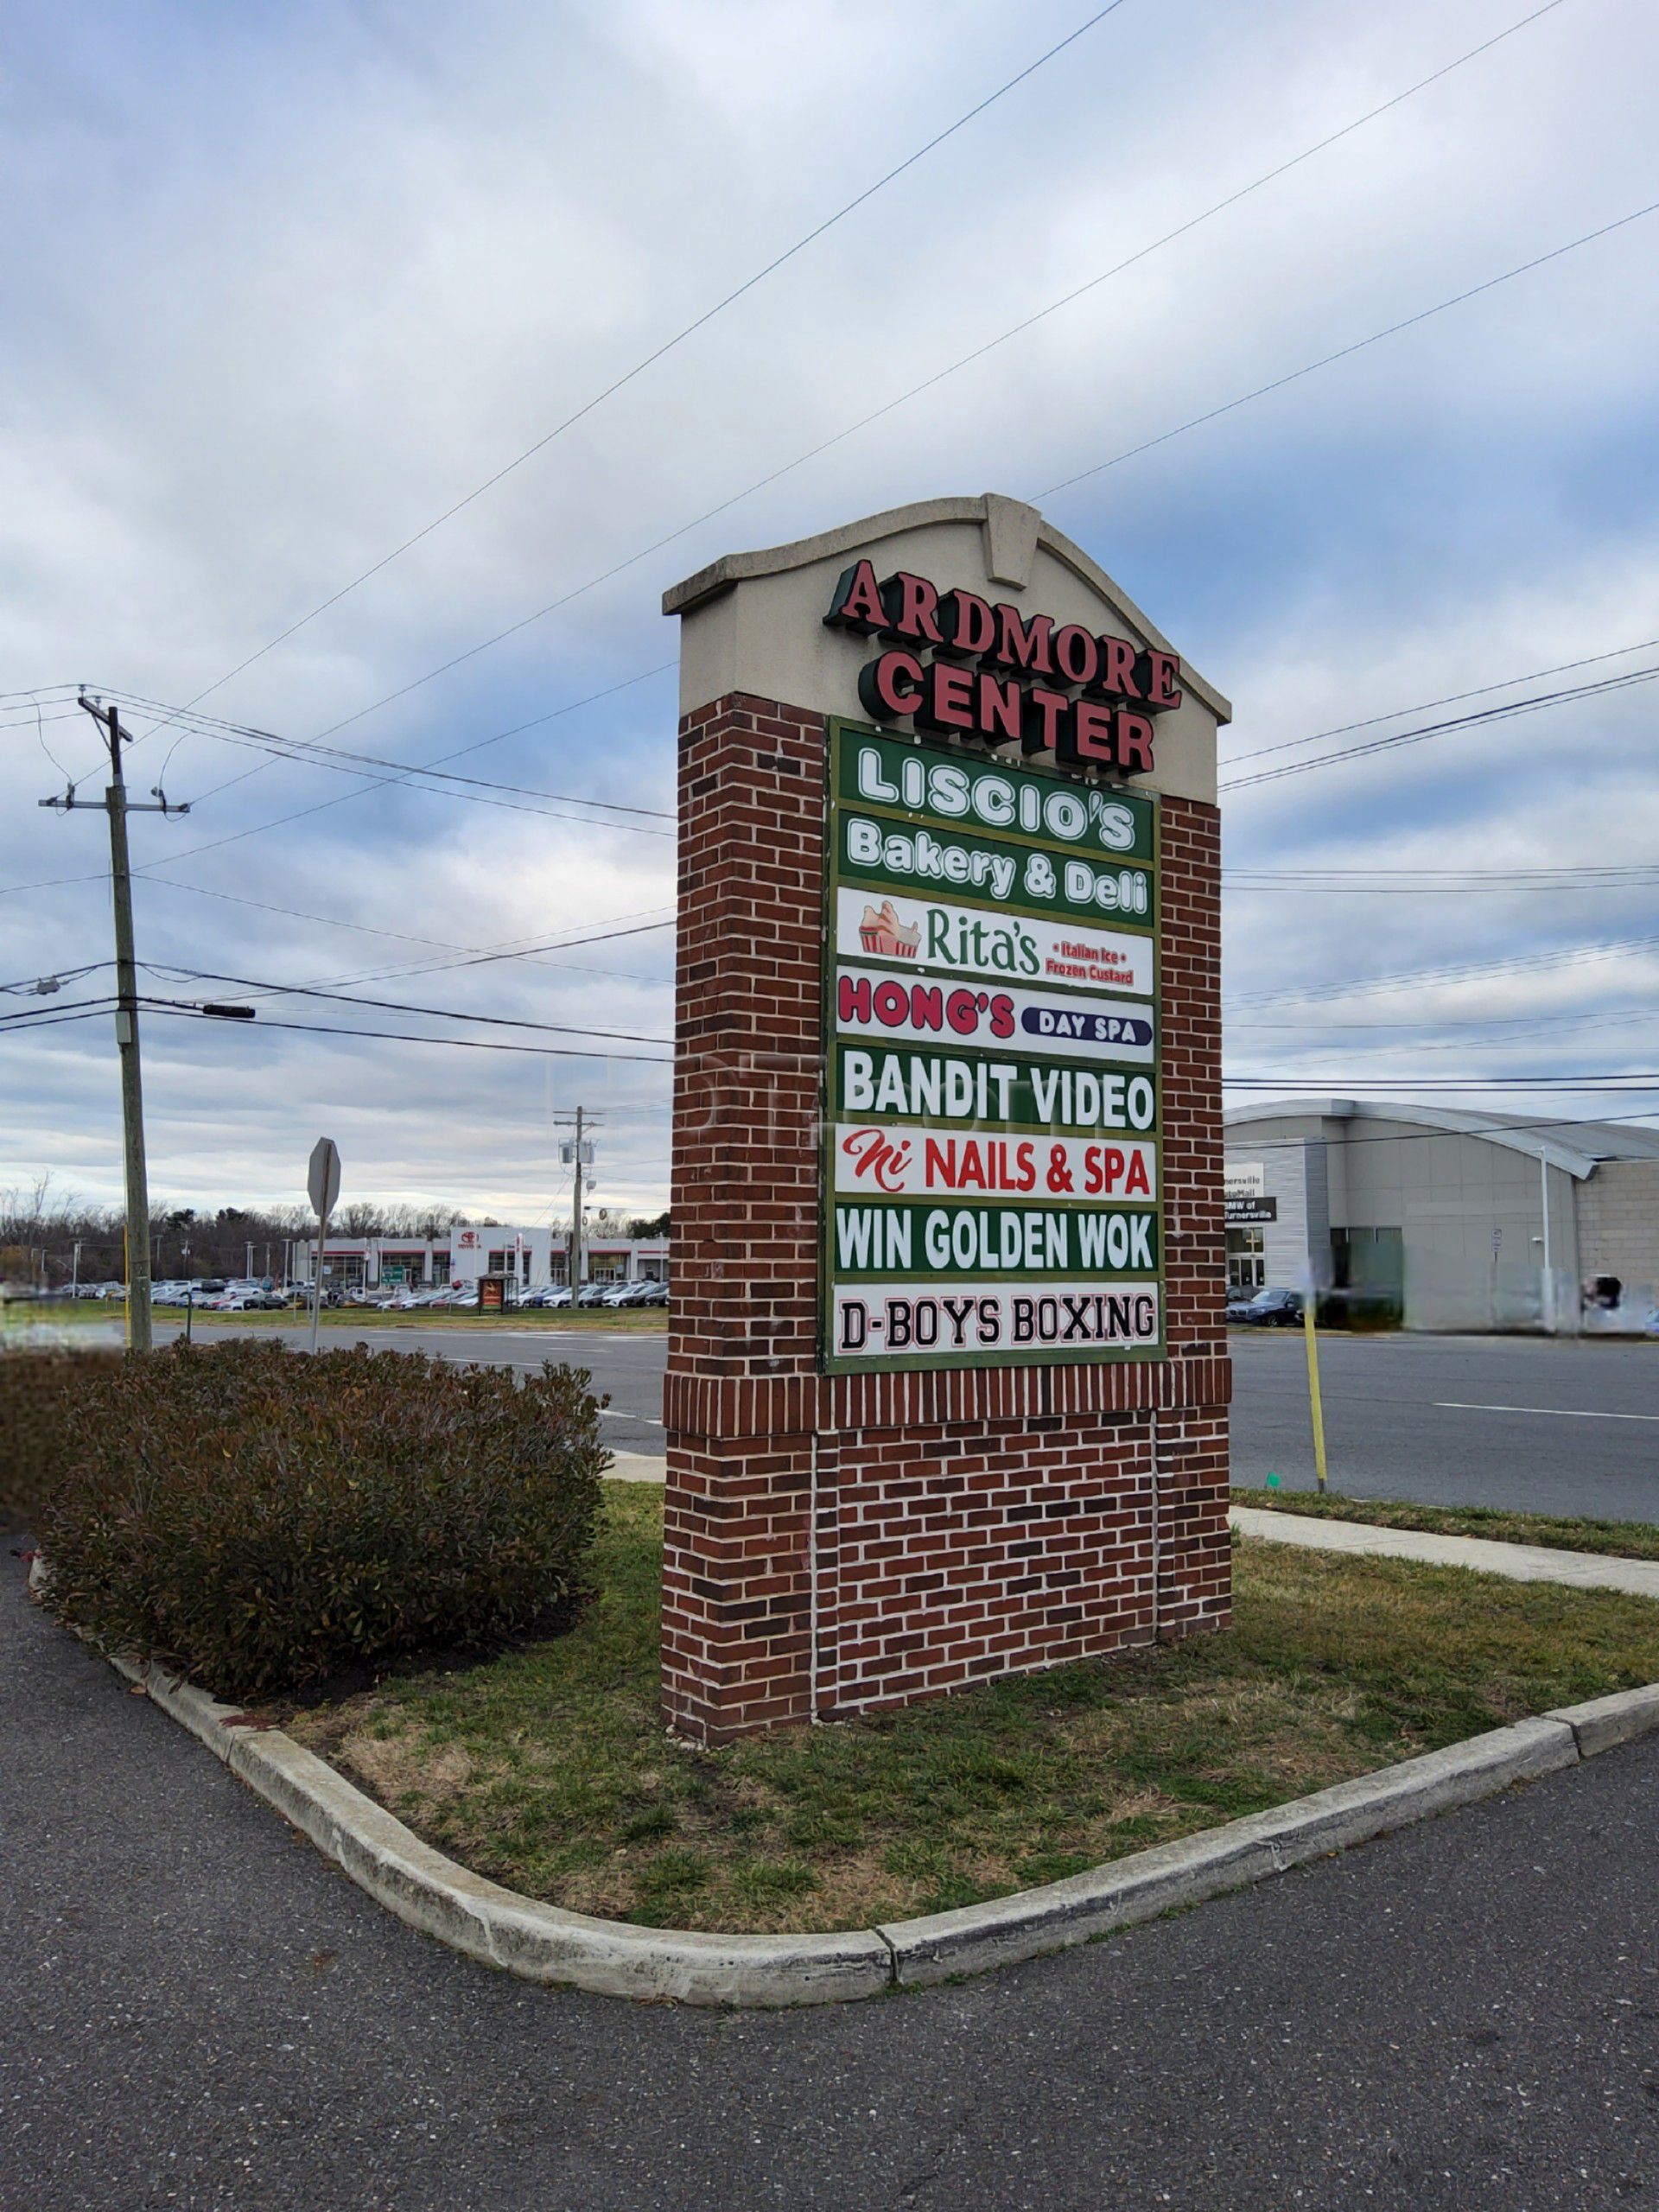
(323, 1186)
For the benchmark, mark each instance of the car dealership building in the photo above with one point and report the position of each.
(463, 1255)
(1439, 1218)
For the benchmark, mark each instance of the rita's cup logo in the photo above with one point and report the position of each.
(885, 932)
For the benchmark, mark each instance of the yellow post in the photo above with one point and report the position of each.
(1309, 1300)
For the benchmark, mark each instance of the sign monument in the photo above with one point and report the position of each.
(947, 1379)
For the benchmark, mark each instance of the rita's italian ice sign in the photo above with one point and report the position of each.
(990, 1190)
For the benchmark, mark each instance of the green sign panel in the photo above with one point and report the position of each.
(991, 1157)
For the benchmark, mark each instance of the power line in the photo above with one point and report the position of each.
(1480, 718)
(1451, 699)
(303, 750)
(401, 1037)
(405, 937)
(1344, 352)
(307, 753)
(1636, 1080)
(519, 950)
(678, 338)
(1427, 882)
(1461, 971)
(927, 384)
(395, 1005)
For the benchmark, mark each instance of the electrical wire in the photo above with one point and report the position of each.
(401, 1037)
(315, 756)
(679, 337)
(928, 384)
(1480, 718)
(404, 937)
(301, 750)
(1456, 972)
(1451, 699)
(1345, 352)
(395, 1005)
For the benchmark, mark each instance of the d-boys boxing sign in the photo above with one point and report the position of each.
(991, 1157)
(967, 669)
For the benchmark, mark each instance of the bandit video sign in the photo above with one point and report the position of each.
(991, 1193)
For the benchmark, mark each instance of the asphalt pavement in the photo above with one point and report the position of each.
(1561, 1427)
(201, 2012)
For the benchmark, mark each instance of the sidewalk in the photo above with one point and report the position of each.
(1521, 1562)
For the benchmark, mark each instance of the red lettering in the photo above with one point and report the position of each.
(1075, 654)
(926, 1007)
(938, 1163)
(1002, 1014)
(1023, 645)
(1161, 689)
(1086, 735)
(856, 604)
(1044, 718)
(947, 701)
(891, 1004)
(1137, 1179)
(1132, 742)
(891, 686)
(997, 715)
(961, 1012)
(852, 999)
(967, 626)
(910, 603)
(1117, 669)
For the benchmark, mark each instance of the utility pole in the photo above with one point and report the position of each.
(577, 1155)
(117, 806)
(576, 1217)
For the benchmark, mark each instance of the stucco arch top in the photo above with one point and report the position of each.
(753, 622)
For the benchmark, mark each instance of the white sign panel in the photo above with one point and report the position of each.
(887, 1319)
(893, 1162)
(925, 1010)
(937, 938)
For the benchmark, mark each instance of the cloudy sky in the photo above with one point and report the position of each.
(282, 285)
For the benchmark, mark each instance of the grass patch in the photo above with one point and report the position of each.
(546, 1768)
(1564, 1533)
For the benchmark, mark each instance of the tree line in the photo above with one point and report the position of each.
(41, 1227)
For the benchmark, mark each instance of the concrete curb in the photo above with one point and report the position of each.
(542, 1943)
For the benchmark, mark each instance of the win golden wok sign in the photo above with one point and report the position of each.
(991, 1176)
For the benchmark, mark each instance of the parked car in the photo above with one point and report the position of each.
(1269, 1309)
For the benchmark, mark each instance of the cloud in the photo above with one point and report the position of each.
(292, 285)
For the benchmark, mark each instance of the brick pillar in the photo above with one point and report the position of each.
(838, 1543)
(739, 1403)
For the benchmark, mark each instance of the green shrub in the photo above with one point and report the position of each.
(257, 1519)
(36, 1385)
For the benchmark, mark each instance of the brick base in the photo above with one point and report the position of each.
(835, 1544)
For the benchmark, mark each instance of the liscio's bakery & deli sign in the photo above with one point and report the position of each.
(991, 1191)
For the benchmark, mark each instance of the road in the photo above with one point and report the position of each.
(1554, 1426)
(1551, 1427)
(201, 2012)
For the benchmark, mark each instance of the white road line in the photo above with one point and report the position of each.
(1555, 1413)
(615, 1413)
